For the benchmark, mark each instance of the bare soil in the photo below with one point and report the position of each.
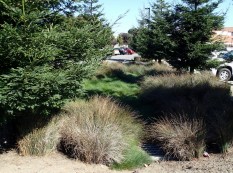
(11, 162)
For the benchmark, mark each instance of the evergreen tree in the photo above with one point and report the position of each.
(92, 8)
(91, 13)
(159, 30)
(182, 35)
(143, 43)
(152, 40)
(143, 20)
(124, 37)
(45, 55)
(140, 37)
(192, 25)
(133, 35)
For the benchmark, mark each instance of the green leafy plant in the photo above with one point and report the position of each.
(168, 33)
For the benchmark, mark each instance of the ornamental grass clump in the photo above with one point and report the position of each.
(180, 137)
(200, 95)
(180, 82)
(159, 69)
(220, 122)
(113, 69)
(40, 141)
(120, 70)
(180, 93)
(98, 130)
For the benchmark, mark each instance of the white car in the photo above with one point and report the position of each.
(225, 71)
(131, 57)
(123, 55)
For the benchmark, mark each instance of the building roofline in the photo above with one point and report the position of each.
(230, 29)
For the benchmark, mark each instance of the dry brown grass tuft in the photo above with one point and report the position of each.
(110, 69)
(200, 94)
(118, 69)
(180, 137)
(41, 141)
(180, 81)
(98, 131)
(94, 131)
(177, 93)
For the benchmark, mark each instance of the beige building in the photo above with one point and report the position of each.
(225, 35)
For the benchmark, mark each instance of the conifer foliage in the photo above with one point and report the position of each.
(45, 53)
(192, 26)
(181, 33)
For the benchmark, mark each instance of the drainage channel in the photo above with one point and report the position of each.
(154, 151)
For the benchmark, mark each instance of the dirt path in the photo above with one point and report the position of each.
(11, 162)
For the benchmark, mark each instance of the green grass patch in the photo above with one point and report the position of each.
(135, 157)
(111, 86)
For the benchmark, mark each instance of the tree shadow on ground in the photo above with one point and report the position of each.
(18, 127)
(128, 78)
(7, 136)
(145, 111)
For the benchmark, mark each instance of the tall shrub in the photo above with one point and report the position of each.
(39, 90)
(45, 54)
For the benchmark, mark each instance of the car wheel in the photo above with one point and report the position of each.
(224, 74)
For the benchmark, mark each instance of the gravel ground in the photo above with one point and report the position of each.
(11, 162)
(216, 163)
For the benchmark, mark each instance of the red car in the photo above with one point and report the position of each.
(129, 51)
(123, 51)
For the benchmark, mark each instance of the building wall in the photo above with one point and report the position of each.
(225, 35)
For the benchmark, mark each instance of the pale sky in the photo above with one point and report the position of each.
(114, 8)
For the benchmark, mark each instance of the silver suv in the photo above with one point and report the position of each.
(225, 71)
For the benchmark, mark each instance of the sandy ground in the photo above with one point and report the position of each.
(11, 162)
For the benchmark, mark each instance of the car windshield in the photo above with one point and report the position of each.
(227, 56)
